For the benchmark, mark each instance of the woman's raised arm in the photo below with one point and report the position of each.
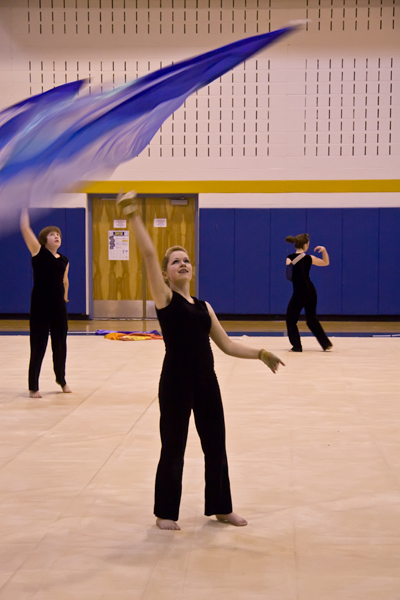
(30, 238)
(160, 292)
(320, 262)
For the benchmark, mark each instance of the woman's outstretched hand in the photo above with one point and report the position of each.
(270, 360)
(319, 248)
(127, 202)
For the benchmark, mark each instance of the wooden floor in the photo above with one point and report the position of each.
(14, 325)
(314, 456)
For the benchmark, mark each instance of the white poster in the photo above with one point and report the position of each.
(160, 222)
(118, 245)
(119, 224)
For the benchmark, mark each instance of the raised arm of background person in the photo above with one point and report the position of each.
(239, 350)
(320, 262)
(160, 292)
(66, 283)
(30, 238)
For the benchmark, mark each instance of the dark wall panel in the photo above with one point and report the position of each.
(284, 222)
(360, 261)
(249, 275)
(15, 274)
(325, 226)
(217, 258)
(75, 249)
(389, 271)
(252, 261)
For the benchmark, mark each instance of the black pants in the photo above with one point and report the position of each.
(308, 301)
(54, 322)
(177, 399)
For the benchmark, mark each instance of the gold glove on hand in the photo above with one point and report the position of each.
(126, 202)
(270, 360)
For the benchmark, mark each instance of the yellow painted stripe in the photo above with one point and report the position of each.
(339, 186)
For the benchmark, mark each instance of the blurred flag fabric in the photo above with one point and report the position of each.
(54, 140)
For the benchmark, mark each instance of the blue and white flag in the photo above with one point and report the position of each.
(52, 141)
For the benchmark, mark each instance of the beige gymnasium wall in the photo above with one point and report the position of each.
(321, 105)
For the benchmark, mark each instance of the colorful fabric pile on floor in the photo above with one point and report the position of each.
(130, 336)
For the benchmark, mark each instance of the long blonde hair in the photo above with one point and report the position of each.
(165, 260)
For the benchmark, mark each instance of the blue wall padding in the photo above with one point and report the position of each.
(325, 227)
(242, 259)
(217, 254)
(362, 279)
(252, 261)
(15, 274)
(15, 262)
(75, 250)
(284, 222)
(389, 270)
(360, 256)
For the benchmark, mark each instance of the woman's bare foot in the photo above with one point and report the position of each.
(66, 389)
(34, 394)
(167, 524)
(232, 518)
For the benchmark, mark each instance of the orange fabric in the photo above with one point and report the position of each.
(132, 337)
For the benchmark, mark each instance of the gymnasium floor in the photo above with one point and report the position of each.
(314, 454)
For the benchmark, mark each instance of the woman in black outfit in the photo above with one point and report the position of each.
(48, 302)
(304, 293)
(188, 381)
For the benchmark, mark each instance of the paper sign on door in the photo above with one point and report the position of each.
(118, 245)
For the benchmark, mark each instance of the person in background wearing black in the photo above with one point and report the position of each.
(48, 312)
(304, 293)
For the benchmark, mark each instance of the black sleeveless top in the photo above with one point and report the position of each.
(48, 280)
(186, 329)
(301, 273)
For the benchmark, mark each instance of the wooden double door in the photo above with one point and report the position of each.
(119, 278)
